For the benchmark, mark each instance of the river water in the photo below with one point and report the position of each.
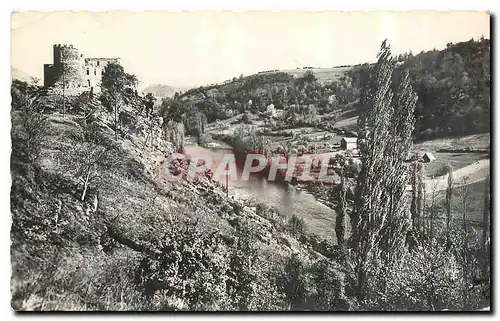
(320, 219)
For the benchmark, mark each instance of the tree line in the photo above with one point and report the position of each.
(452, 87)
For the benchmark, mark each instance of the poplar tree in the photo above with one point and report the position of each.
(486, 214)
(379, 218)
(486, 228)
(341, 206)
(421, 198)
(417, 197)
(447, 203)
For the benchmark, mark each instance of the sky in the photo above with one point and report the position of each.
(186, 49)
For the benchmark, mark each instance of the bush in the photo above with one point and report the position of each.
(204, 139)
(329, 287)
(297, 226)
(428, 278)
(246, 119)
(263, 210)
(187, 267)
(443, 170)
(295, 283)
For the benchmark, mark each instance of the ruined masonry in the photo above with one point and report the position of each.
(76, 72)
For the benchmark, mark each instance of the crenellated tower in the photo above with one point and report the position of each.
(73, 71)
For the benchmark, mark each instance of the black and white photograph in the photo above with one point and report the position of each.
(255, 161)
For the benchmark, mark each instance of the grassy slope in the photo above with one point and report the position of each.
(477, 141)
(457, 160)
(474, 204)
(324, 75)
(61, 263)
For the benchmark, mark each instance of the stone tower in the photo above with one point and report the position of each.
(73, 71)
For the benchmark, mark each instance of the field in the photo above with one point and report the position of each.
(473, 165)
(350, 123)
(476, 142)
(324, 75)
(456, 160)
(475, 201)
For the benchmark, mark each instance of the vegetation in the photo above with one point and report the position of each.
(390, 261)
(385, 130)
(94, 225)
(452, 86)
(32, 127)
(94, 229)
(116, 83)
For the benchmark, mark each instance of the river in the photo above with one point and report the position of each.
(320, 219)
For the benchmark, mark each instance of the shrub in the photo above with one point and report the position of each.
(246, 119)
(204, 139)
(443, 170)
(188, 266)
(329, 287)
(295, 283)
(297, 226)
(263, 211)
(428, 278)
(243, 269)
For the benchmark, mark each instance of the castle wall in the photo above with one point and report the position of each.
(48, 75)
(69, 67)
(74, 71)
(94, 69)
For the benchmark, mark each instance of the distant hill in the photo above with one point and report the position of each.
(452, 84)
(323, 75)
(161, 90)
(20, 75)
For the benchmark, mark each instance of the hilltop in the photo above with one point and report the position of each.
(452, 85)
(323, 75)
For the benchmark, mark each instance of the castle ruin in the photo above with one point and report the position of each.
(73, 71)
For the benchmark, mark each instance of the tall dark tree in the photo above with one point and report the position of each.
(447, 203)
(341, 196)
(486, 215)
(417, 197)
(149, 102)
(379, 217)
(114, 82)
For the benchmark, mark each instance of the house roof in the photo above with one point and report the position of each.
(429, 155)
(350, 139)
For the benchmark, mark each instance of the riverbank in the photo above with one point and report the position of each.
(284, 197)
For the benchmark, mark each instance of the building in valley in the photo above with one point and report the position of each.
(349, 143)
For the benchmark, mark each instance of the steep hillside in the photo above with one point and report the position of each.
(453, 88)
(95, 226)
